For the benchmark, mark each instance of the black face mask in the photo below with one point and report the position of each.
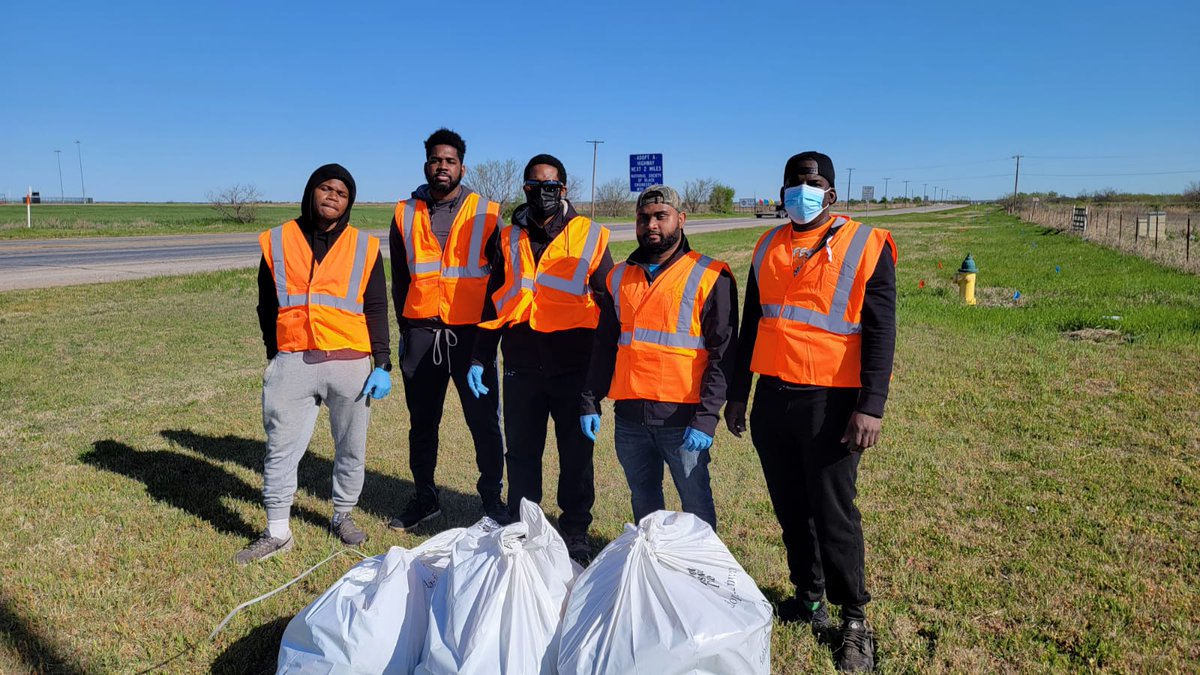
(543, 202)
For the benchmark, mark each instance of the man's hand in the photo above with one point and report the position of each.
(475, 381)
(590, 424)
(862, 432)
(379, 384)
(735, 417)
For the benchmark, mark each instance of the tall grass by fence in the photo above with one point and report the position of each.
(1171, 239)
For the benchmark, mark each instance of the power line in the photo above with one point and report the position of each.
(1109, 175)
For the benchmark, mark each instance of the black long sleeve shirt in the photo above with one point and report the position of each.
(718, 325)
(878, 338)
(527, 350)
(374, 297)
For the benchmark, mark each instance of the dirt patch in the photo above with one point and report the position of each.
(1101, 335)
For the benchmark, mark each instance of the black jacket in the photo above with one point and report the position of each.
(527, 350)
(718, 325)
(878, 339)
(374, 297)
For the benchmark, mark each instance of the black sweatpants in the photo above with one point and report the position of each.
(811, 477)
(431, 359)
(530, 398)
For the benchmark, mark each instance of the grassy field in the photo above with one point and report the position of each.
(1033, 505)
(77, 220)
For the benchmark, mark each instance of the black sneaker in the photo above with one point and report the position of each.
(797, 610)
(420, 508)
(497, 510)
(857, 652)
(578, 548)
(344, 528)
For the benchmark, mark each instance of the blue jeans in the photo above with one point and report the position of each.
(642, 450)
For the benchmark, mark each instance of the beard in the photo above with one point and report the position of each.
(665, 242)
(434, 184)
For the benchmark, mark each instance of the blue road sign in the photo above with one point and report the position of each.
(644, 171)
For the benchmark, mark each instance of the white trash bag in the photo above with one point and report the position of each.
(666, 598)
(498, 607)
(372, 620)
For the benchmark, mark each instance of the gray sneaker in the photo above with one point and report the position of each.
(344, 528)
(264, 547)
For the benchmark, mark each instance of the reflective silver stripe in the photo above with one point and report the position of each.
(761, 251)
(833, 321)
(617, 273)
(687, 303)
(349, 302)
(425, 267)
(410, 249)
(577, 284)
(662, 338)
(514, 268)
(681, 336)
(473, 270)
(280, 268)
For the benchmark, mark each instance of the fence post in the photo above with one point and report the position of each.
(1107, 214)
(1187, 249)
(1137, 229)
(1120, 221)
(1156, 219)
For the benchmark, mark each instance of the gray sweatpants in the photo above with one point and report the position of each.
(293, 392)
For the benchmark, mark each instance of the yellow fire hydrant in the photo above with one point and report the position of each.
(966, 280)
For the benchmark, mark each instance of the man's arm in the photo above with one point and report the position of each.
(400, 276)
(486, 341)
(604, 356)
(375, 307)
(718, 325)
(268, 308)
(739, 389)
(878, 335)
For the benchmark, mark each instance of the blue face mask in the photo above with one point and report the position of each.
(804, 203)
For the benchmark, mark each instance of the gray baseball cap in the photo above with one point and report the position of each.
(660, 194)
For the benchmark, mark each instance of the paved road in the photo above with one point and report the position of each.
(41, 263)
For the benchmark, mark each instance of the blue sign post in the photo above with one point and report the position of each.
(644, 171)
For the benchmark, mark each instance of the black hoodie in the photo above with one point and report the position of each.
(320, 241)
(527, 350)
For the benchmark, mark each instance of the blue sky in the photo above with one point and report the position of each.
(170, 100)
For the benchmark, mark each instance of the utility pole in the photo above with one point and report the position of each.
(849, 177)
(924, 193)
(61, 192)
(1016, 177)
(885, 182)
(82, 189)
(595, 148)
(906, 193)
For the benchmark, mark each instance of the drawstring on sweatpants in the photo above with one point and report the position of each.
(440, 334)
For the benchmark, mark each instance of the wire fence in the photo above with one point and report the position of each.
(1168, 235)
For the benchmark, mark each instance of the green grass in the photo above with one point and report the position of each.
(1033, 505)
(93, 220)
(77, 220)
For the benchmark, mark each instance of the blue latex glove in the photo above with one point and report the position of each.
(590, 425)
(378, 385)
(475, 381)
(695, 440)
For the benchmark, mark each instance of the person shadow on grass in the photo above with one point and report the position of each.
(383, 496)
(188, 483)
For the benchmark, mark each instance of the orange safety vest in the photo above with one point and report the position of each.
(811, 331)
(325, 313)
(450, 284)
(552, 294)
(661, 354)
